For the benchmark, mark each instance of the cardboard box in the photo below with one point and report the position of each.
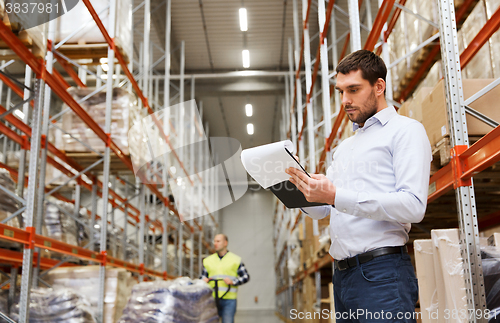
(403, 110)
(434, 109)
(494, 240)
(415, 106)
(424, 265)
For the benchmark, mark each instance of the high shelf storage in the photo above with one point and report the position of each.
(144, 202)
(318, 124)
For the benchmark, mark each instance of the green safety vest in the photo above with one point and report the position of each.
(221, 268)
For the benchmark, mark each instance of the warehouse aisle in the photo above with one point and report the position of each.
(264, 316)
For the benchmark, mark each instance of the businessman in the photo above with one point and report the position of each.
(375, 187)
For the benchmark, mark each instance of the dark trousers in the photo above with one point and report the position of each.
(384, 289)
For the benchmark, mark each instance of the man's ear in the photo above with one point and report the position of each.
(380, 87)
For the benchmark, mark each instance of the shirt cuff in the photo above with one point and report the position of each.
(345, 201)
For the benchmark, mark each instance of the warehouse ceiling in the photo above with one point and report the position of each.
(213, 44)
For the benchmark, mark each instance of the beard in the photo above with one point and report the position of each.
(371, 108)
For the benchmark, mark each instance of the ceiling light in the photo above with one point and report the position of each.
(248, 110)
(19, 114)
(246, 58)
(172, 169)
(105, 67)
(250, 128)
(243, 19)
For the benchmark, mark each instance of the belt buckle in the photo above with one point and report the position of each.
(342, 264)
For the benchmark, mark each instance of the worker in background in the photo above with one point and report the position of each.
(375, 187)
(226, 267)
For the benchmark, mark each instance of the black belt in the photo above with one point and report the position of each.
(367, 256)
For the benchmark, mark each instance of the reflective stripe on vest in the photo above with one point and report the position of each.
(227, 267)
(222, 277)
(231, 290)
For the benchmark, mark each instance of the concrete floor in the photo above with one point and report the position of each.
(267, 316)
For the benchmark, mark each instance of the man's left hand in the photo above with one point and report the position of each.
(316, 188)
(228, 281)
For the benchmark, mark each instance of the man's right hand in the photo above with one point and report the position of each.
(205, 279)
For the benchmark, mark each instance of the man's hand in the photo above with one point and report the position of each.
(205, 279)
(316, 188)
(228, 281)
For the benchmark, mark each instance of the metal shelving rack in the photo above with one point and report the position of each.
(148, 218)
(465, 163)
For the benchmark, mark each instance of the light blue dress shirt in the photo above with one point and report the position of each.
(382, 178)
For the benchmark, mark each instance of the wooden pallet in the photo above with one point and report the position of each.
(24, 37)
(86, 159)
(90, 51)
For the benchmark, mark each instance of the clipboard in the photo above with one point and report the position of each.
(289, 194)
(278, 156)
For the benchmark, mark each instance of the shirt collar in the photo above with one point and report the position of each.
(382, 116)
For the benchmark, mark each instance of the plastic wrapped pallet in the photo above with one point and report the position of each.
(59, 225)
(125, 112)
(491, 7)
(56, 305)
(8, 204)
(85, 281)
(427, 291)
(90, 34)
(480, 65)
(179, 301)
(449, 274)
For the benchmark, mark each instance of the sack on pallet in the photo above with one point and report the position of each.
(124, 113)
(90, 34)
(85, 281)
(59, 224)
(7, 203)
(56, 305)
(176, 301)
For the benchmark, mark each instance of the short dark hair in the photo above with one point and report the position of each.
(371, 65)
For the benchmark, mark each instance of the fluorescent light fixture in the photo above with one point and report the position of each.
(19, 114)
(105, 67)
(246, 58)
(243, 19)
(248, 110)
(250, 128)
(103, 60)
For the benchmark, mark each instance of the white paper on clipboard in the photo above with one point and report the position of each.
(267, 163)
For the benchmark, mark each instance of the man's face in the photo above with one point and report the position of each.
(358, 96)
(219, 243)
